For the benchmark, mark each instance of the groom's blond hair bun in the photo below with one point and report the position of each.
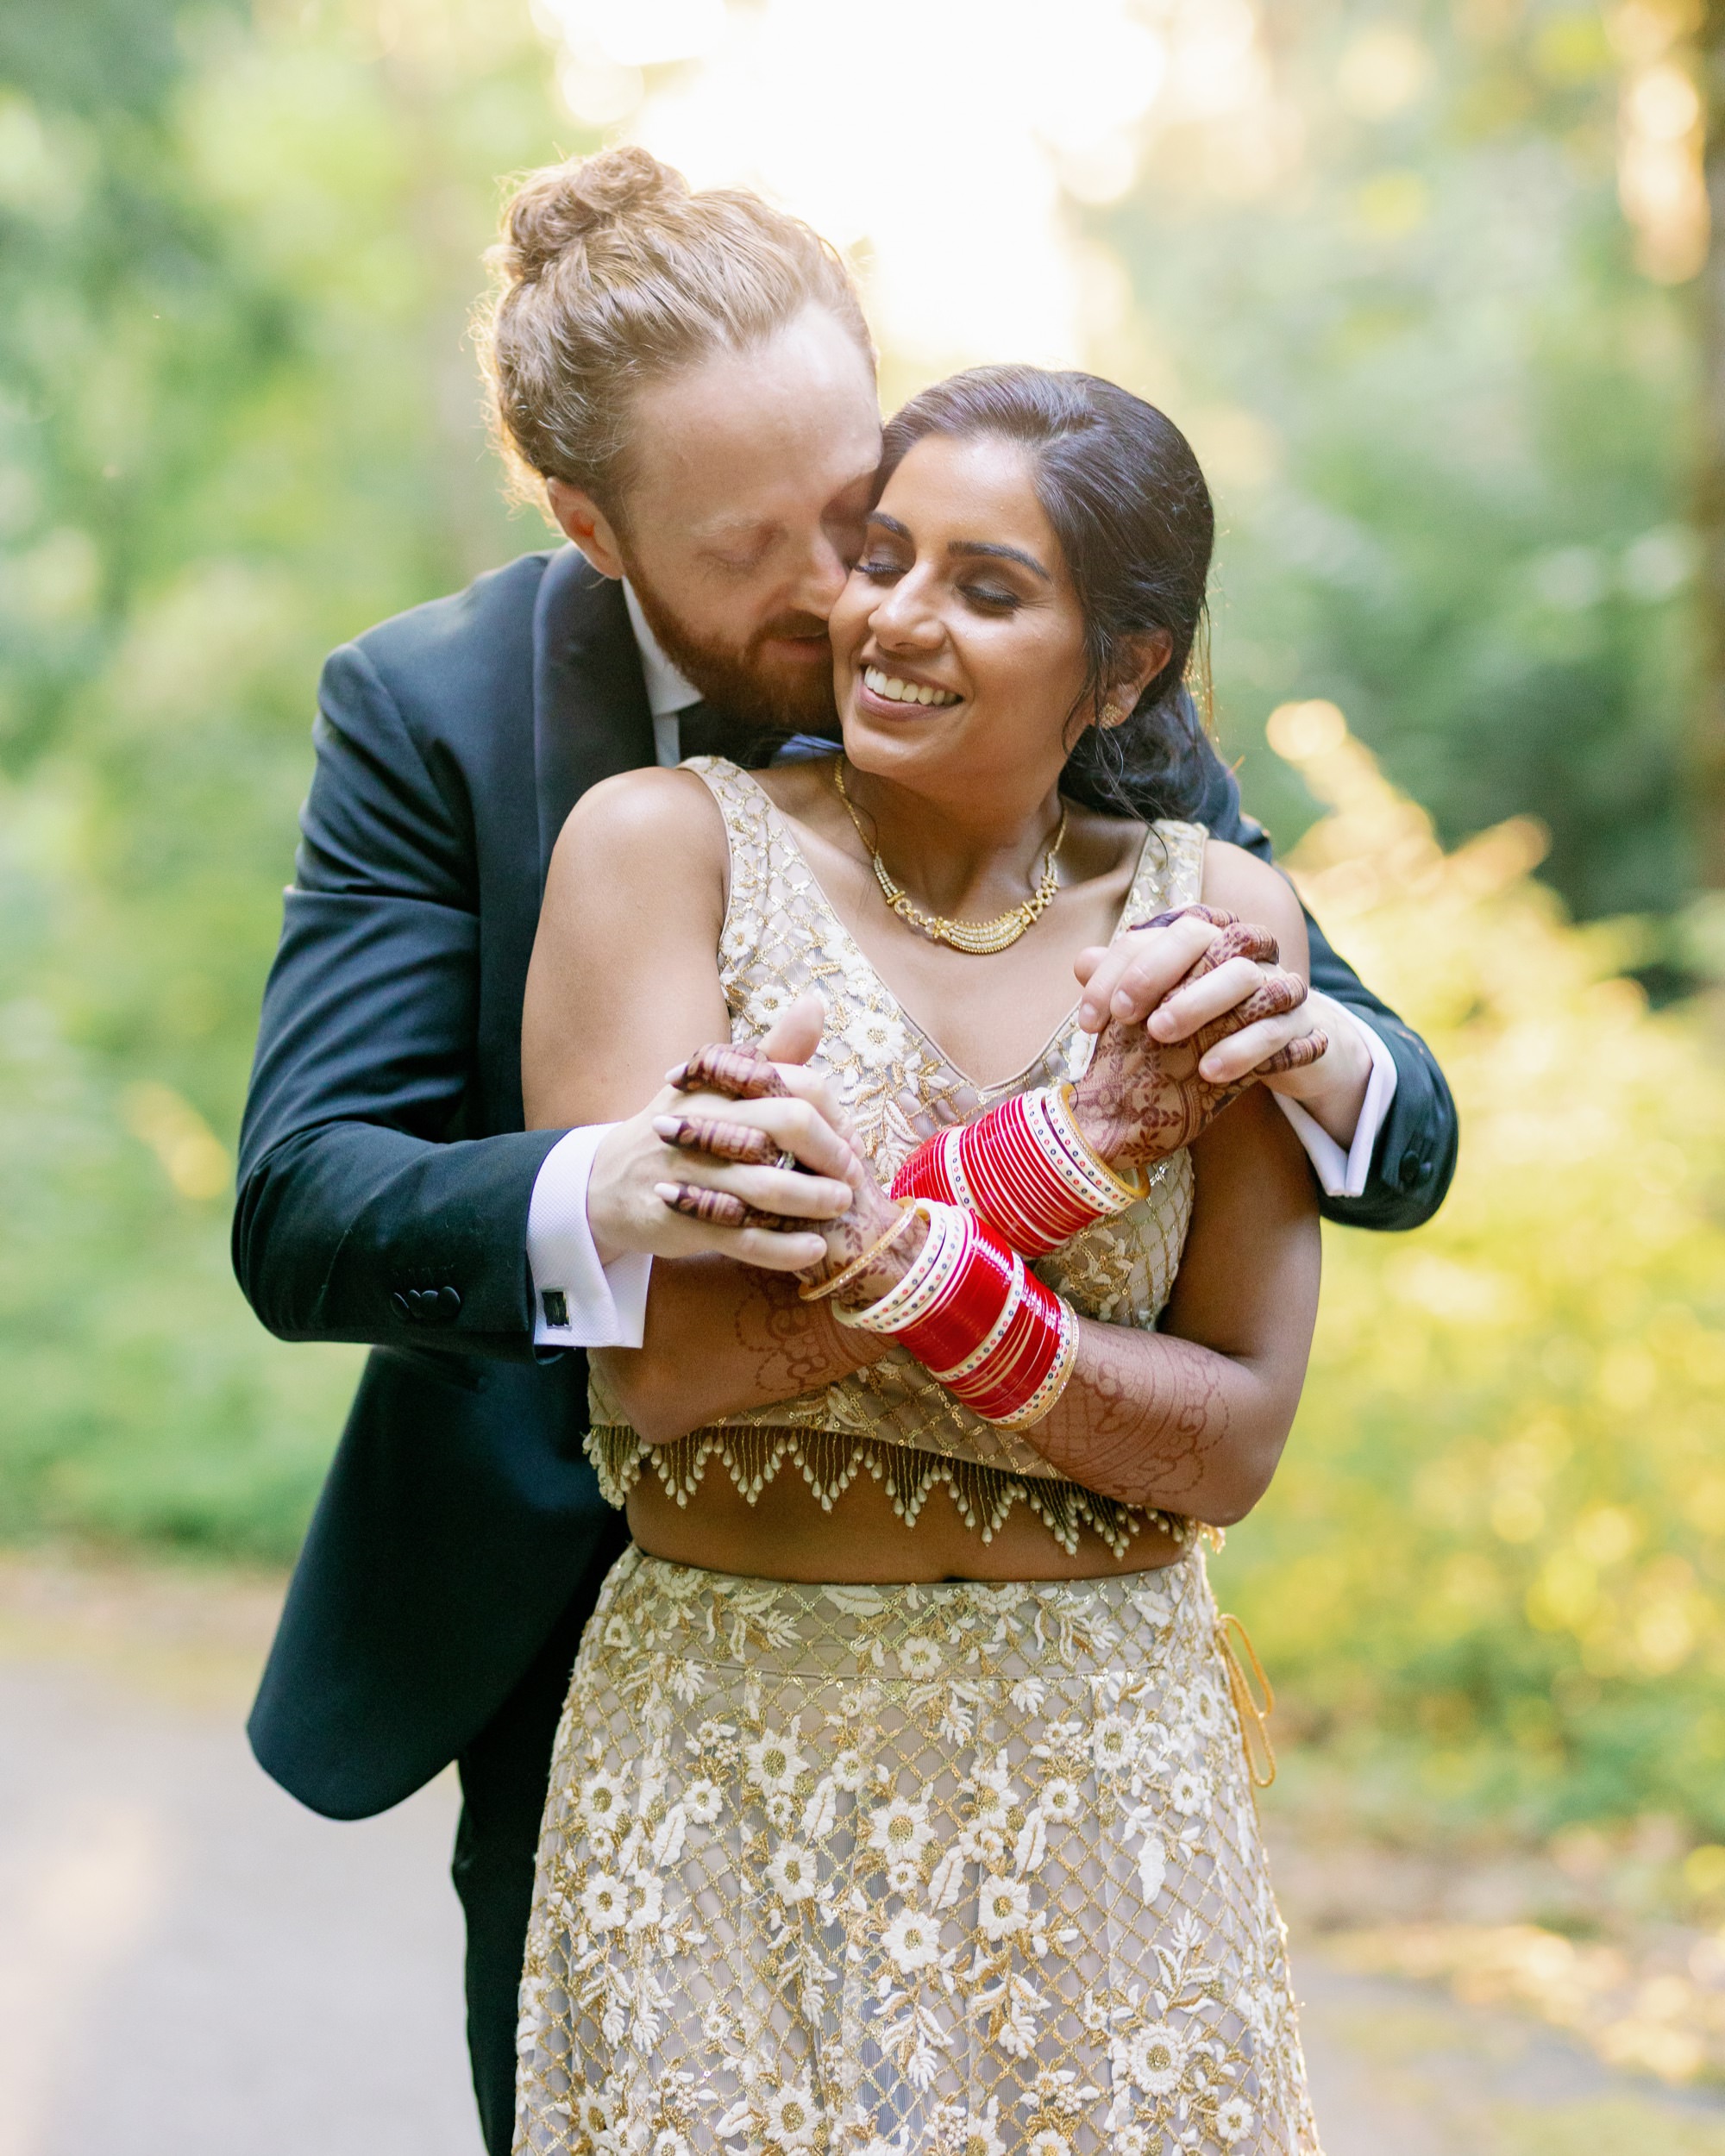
(612, 272)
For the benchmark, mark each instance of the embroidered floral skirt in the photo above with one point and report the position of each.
(957, 1870)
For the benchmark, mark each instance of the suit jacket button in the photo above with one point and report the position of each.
(443, 1305)
(1409, 1172)
(399, 1304)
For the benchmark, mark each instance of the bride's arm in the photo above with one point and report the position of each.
(624, 964)
(624, 984)
(1193, 1419)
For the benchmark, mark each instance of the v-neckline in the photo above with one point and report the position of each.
(787, 832)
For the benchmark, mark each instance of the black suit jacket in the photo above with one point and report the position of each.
(385, 1177)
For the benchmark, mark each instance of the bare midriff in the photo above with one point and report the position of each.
(785, 1534)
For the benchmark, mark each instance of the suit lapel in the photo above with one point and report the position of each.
(590, 718)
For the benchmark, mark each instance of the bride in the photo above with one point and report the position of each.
(901, 1801)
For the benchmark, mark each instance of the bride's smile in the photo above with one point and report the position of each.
(901, 688)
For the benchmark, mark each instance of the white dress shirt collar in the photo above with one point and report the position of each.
(668, 693)
(667, 690)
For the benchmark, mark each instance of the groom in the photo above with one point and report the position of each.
(690, 377)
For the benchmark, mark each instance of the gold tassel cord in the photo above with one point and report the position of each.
(1253, 1719)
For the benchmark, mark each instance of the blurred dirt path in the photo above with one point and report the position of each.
(190, 1962)
(1400, 2069)
(191, 1965)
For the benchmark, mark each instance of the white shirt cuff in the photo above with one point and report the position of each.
(1344, 1174)
(577, 1301)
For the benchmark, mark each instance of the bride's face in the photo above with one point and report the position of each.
(959, 642)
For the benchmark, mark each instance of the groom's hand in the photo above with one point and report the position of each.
(1189, 976)
(750, 1073)
(1152, 1088)
(752, 1143)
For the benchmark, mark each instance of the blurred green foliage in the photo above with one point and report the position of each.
(1491, 1571)
(237, 423)
(1445, 420)
(1449, 424)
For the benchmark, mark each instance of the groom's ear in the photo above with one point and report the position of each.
(586, 523)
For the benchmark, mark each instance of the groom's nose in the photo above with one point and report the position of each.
(820, 576)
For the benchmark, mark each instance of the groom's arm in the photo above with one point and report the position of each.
(364, 1214)
(1413, 1153)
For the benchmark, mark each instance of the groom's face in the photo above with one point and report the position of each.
(749, 476)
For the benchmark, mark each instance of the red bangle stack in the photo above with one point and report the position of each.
(990, 1331)
(1023, 1169)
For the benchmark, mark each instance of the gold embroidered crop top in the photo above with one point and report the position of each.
(781, 938)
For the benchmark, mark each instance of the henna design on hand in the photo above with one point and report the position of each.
(724, 1209)
(1238, 939)
(741, 1072)
(736, 1069)
(1216, 916)
(717, 1208)
(1297, 1054)
(1142, 1099)
(869, 1219)
(724, 1141)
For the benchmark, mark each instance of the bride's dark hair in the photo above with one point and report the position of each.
(1120, 483)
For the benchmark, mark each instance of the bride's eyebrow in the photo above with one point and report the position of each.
(964, 549)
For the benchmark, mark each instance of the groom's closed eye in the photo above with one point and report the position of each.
(740, 556)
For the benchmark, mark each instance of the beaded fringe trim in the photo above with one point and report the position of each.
(829, 1461)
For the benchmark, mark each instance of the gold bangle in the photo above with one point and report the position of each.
(811, 1293)
(1129, 1192)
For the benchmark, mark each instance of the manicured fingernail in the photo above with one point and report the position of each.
(665, 1125)
(1088, 1014)
(666, 1193)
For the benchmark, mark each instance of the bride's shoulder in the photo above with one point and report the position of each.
(650, 827)
(1239, 882)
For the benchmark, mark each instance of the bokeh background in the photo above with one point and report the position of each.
(1429, 287)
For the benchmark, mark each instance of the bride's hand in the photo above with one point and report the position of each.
(760, 1161)
(792, 1108)
(1143, 1097)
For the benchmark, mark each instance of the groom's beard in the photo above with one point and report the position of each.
(762, 692)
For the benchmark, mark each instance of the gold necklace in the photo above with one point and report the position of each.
(980, 940)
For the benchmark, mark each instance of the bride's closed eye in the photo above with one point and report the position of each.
(990, 599)
(987, 598)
